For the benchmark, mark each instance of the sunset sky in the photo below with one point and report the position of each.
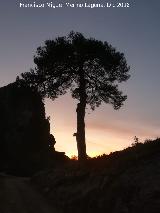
(135, 31)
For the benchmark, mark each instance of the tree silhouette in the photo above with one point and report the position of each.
(89, 68)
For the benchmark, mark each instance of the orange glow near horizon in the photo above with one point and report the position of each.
(106, 130)
(95, 144)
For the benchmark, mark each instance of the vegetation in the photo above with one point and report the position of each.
(123, 181)
(90, 68)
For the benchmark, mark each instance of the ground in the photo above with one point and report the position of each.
(17, 195)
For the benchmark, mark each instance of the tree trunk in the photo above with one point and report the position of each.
(80, 135)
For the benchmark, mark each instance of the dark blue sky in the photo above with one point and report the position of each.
(134, 31)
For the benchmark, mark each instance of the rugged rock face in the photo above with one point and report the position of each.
(25, 140)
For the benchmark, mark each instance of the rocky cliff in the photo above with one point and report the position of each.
(25, 140)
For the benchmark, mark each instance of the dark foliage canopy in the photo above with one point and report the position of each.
(59, 64)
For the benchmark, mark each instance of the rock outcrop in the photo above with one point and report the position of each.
(26, 144)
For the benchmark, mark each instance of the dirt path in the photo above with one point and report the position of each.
(18, 196)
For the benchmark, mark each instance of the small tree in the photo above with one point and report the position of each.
(90, 68)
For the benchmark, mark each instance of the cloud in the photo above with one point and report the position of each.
(122, 128)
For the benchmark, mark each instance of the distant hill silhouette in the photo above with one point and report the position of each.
(126, 181)
(26, 144)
